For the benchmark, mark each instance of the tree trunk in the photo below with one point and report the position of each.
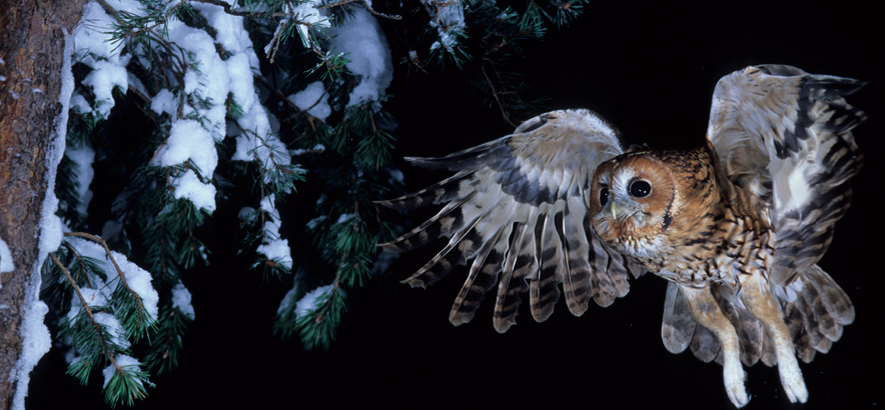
(32, 49)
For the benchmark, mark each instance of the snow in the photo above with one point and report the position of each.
(396, 177)
(93, 298)
(314, 99)
(5, 259)
(114, 328)
(316, 148)
(246, 214)
(287, 300)
(189, 141)
(382, 264)
(189, 187)
(84, 157)
(164, 102)
(35, 335)
(103, 79)
(344, 218)
(138, 279)
(361, 36)
(310, 301)
(181, 300)
(306, 14)
(313, 223)
(448, 20)
(79, 104)
(272, 246)
(124, 362)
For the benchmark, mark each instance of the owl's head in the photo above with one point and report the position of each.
(638, 199)
(632, 197)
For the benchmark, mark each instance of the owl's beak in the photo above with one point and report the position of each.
(614, 209)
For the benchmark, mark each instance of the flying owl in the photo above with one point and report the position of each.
(736, 225)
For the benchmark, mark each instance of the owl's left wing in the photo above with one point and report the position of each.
(784, 136)
(518, 206)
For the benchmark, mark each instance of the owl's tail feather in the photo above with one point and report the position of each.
(815, 311)
(818, 311)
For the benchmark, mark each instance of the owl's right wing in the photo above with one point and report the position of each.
(518, 206)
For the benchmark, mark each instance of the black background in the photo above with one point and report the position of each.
(649, 70)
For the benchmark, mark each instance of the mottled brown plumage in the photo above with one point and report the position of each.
(736, 225)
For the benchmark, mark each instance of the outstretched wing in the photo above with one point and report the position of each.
(518, 206)
(783, 136)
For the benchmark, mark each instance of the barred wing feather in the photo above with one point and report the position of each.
(518, 207)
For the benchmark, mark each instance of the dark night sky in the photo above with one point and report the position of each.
(650, 71)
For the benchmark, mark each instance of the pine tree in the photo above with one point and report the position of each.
(186, 107)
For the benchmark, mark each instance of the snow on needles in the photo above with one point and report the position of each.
(310, 301)
(138, 279)
(272, 246)
(125, 362)
(448, 20)
(369, 55)
(181, 300)
(314, 99)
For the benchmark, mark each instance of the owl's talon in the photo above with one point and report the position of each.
(794, 385)
(735, 376)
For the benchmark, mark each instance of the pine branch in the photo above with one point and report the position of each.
(143, 317)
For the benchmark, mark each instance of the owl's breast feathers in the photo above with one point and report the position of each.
(707, 234)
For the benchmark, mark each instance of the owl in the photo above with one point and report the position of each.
(736, 226)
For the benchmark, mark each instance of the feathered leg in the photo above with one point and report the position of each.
(706, 309)
(760, 302)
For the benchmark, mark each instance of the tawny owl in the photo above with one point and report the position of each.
(736, 226)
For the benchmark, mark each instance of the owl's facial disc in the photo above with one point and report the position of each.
(631, 197)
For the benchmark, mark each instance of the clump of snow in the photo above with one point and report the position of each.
(313, 99)
(103, 79)
(396, 177)
(310, 301)
(361, 36)
(382, 264)
(344, 218)
(126, 362)
(287, 300)
(138, 279)
(114, 328)
(313, 223)
(189, 186)
(79, 104)
(93, 298)
(6, 264)
(164, 101)
(181, 300)
(247, 214)
(447, 17)
(316, 148)
(83, 156)
(272, 246)
(188, 140)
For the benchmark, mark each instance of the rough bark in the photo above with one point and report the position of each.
(32, 49)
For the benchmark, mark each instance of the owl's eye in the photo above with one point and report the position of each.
(640, 189)
(603, 196)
